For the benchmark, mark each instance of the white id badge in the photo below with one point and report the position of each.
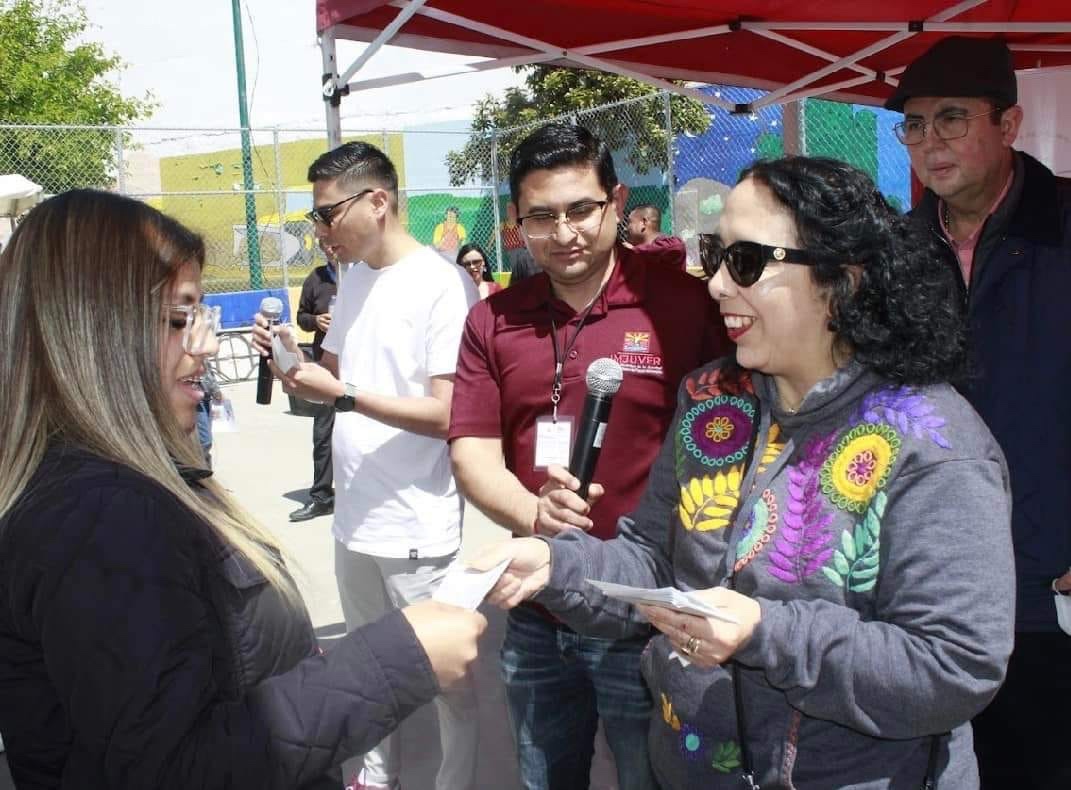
(554, 441)
(223, 419)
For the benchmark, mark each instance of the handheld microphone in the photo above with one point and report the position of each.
(604, 379)
(272, 309)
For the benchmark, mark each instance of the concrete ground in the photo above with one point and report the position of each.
(267, 465)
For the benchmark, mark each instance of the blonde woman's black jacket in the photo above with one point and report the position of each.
(138, 652)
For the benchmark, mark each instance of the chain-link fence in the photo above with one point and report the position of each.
(674, 154)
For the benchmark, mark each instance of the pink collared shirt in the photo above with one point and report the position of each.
(965, 249)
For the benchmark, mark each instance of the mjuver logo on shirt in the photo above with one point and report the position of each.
(637, 341)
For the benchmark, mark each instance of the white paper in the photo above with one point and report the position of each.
(669, 597)
(467, 587)
(1063, 612)
(284, 358)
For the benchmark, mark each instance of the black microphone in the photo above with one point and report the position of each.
(272, 309)
(604, 378)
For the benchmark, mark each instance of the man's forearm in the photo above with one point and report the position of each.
(499, 495)
(426, 415)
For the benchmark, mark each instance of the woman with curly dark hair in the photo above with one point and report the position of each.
(839, 509)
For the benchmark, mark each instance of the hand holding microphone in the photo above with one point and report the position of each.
(271, 310)
(567, 496)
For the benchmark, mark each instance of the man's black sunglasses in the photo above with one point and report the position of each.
(745, 260)
(323, 214)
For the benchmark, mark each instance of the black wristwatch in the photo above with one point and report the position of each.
(346, 402)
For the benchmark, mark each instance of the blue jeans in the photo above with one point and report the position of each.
(204, 428)
(558, 685)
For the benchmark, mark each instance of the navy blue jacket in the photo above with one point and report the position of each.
(1019, 309)
(137, 651)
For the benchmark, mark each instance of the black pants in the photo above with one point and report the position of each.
(323, 480)
(1021, 738)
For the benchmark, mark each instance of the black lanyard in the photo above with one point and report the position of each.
(559, 356)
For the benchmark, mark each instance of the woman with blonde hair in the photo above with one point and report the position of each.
(150, 634)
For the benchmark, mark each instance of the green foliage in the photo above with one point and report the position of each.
(51, 75)
(638, 130)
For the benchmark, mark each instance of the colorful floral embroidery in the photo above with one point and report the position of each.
(716, 431)
(707, 385)
(761, 528)
(725, 757)
(668, 716)
(856, 562)
(905, 409)
(720, 429)
(860, 465)
(803, 538)
(691, 742)
(709, 503)
(772, 449)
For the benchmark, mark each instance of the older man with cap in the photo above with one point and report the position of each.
(1007, 218)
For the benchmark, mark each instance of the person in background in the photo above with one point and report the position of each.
(213, 394)
(150, 632)
(827, 491)
(1008, 219)
(318, 294)
(473, 260)
(524, 266)
(644, 233)
(388, 368)
(521, 375)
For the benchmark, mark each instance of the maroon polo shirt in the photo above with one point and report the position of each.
(658, 323)
(666, 250)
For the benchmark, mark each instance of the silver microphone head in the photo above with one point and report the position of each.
(271, 308)
(604, 377)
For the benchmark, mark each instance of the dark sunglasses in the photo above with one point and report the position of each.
(745, 260)
(323, 214)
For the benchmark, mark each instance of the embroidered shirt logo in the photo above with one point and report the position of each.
(637, 342)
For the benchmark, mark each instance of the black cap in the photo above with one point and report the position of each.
(960, 66)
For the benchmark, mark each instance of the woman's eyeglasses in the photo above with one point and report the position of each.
(323, 214)
(199, 324)
(745, 260)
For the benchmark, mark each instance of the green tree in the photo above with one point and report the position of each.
(638, 130)
(50, 74)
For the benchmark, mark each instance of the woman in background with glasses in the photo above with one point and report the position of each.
(827, 491)
(150, 633)
(473, 259)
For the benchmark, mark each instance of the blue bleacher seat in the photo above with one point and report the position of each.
(238, 307)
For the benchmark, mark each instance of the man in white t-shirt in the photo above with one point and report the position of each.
(388, 367)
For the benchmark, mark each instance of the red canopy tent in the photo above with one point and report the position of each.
(840, 49)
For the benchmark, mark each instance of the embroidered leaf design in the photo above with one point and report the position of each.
(708, 503)
(725, 757)
(907, 410)
(668, 715)
(760, 515)
(856, 565)
(802, 544)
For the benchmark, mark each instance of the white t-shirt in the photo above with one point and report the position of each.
(392, 330)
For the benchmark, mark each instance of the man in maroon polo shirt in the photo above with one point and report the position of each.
(512, 416)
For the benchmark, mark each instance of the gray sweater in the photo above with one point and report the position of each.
(873, 529)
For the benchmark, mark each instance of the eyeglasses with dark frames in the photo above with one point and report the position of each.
(580, 218)
(323, 214)
(946, 125)
(745, 260)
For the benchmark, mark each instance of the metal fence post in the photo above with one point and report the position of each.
(494, 199)
(280, 207)
(671, 170)
(120, 164)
